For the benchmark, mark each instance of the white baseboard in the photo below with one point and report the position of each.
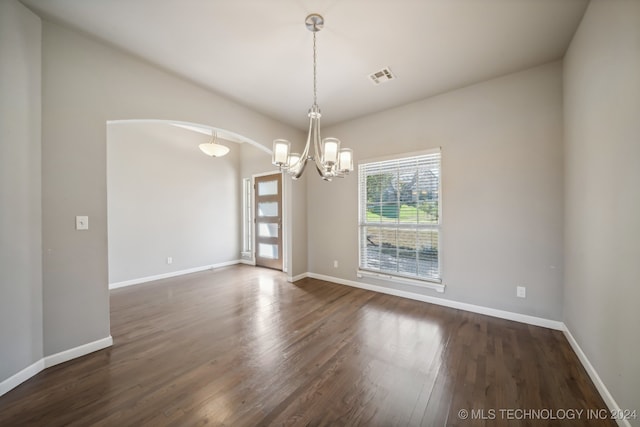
(298, 277)
(139, 280)
(55, 359)
(17, 379)
(81, 350)
(502, 314)
(593, 374)
(248, 261)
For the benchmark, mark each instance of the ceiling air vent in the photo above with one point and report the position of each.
(382, 76)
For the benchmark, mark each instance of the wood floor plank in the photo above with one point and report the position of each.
(240, 346)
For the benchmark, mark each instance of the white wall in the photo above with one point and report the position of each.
(20, 190)
(254, 160)
(602, 221)
(167, 199)
(85, 84)
(298, 221)
(502, 190)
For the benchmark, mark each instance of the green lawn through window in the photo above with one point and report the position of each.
(406, 214)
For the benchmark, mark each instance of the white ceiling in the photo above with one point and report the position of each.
(259, 52)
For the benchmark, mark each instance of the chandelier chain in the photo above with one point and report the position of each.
(315, 79)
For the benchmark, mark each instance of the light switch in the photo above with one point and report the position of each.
(82, 223)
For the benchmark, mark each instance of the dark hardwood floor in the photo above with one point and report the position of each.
(240, 346)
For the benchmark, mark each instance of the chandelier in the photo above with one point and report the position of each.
(330, 160)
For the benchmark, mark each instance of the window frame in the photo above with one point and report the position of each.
(247, 218)
(427, 282)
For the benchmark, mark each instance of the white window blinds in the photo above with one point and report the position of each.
(399, 216)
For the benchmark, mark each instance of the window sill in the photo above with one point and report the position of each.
(435, 285)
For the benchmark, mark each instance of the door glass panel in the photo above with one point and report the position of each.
(267, 188)
(267, 229)
(268, 251)
(268, 209)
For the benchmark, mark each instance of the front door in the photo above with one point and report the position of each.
(268, 220)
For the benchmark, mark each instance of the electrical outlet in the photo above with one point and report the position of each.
(521, 292)
(169, 260)
(335, 263)
(82, 222)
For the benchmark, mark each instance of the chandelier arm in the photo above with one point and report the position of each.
(299, 168)
(298, 174)
(314, 134)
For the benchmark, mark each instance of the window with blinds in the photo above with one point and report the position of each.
(400, 216)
